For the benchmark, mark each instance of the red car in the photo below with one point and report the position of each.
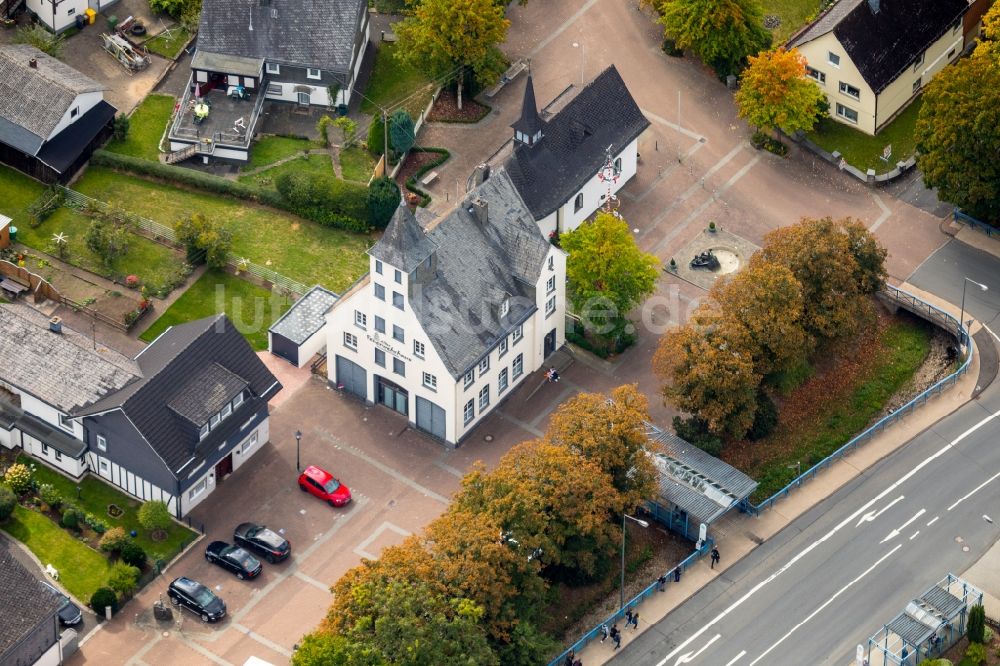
(321, 483)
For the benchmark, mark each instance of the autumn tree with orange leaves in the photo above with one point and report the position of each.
(776, 94)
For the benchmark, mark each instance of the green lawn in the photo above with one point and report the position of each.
(251, 308)
(319, 164)
(297, 248)
(81, 568)
(356, 163)
(169, 47)
(155, 264)
(793, 14)
(270, 149)
(863, 151)
(392, 82)
(95, 496)
(17, 192)
(146, 127)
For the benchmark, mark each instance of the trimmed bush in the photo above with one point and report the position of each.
(383, 200)
(95, 523)
(114, 540)
(325, 199)
(18, 478)
(103, 597)
(8, 500)
(123, 578)
(376, 136)
(70, 519)
(977, 624)
(154, 515)
(411, 182)
(133, 554)
(975, 653)
(48, 494)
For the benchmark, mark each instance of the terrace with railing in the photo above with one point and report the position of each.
(230, 122)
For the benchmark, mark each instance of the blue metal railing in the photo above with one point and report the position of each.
(925, 310)
(618, 615)
(974, 223)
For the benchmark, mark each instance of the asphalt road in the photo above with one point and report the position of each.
(836, 574)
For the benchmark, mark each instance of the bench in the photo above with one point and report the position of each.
(508, 76)
(429, 178)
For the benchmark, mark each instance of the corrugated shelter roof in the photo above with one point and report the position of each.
(911, 631)
(946, 603)
(306, 317)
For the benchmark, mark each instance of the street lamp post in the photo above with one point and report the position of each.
(642, 523)
(583, 58)
(961, 321)
(298, 440)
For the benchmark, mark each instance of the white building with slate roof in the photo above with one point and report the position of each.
(448, 323)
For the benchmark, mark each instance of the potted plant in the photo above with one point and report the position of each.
(711, 227)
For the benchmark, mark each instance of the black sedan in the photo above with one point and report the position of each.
(263, 541)
(69, 613)
(197, 598)
(234, 559)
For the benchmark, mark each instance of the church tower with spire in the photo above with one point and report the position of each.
(528, 128)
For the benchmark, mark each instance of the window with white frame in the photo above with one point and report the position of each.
(502, 381)
(397, 333)
(470, 378)
(951, 54)
(618, 165)
(65, 422)
(518, 366)
(550, 306)
(379, 292)
(552, 263)
(399, 367)
(847, 113)
(380, 358)
(312, 73)
(197, 489)
(850, 90)
(833, 59)
(550, 285)
(102, 443)
(484, 366)
(469, 412)
(955, 26)
(503, 346)
(350, 340)
(379, 324)
(58, 457)
(227, 410)
(378, 266)
(518, 333)
(272, 68)
(504, 307)
(203, 432)
(214, 421)
(815, 74)
(250, 443)
(430, 381)
(917, 84)
(397, 276)
(238, 400)
(418, 349)
(103, 465)
(578, 203)
(360, 319)
(484, 398)
(45, 449)
(397, 300)
(918, 61)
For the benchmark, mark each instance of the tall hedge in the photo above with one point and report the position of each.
(325, 199)
(977, 624)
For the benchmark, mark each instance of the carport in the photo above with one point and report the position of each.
(695, 488)
(299, 334)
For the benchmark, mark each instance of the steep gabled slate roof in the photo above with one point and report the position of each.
(302, 33)
(61, 369)
(884, 44)
(34, 99)
(206, 393)
(168, 365)
(404, 244)
(24, 603)
(478, 266)
(529, 122)
(574, 141)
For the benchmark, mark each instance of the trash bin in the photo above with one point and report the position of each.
(13, 233)
(81, 21)
(112, 23)
(342, 109)
(91, 15)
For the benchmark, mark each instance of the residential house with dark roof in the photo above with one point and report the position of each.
(873, 57)
(52, 117)
(560, 164)
(29, 624)
(450, 320)
(307, 52)
(167, 425)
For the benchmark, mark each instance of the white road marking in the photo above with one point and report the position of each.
(886, 213)
(674, 126)
(808, 549)
(736, 658)
(872, 515)
(687, 657)
(933, 520)
(895, 533)
(995, 336)
(975, 490)
(828, 602)
(914, 535)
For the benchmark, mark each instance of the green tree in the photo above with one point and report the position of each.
(121, 127)
(977, 624)
(109, 241)
(322, 648)
(606, 272)
(401, 131)
(206, 240)
(154, 515)
(123, 578)
(610, 431)
(376, 137)
(443, 36)
(36, 35)
(347, 126)
(957, 138)
(722, 33)
(775, 93)
(102, 597)
(8, 500)
(870, 274)
(383, 200)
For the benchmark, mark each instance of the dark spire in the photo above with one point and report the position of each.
(404, 244)
(529, 125)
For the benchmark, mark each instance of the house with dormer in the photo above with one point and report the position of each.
(560, 164)
(873, 57)
(450, 320)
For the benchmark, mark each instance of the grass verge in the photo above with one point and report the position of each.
(146, 127)
(169, 46)
(863, 151)
(793, 15)
(270, 149)
(81, 568)
(252, 309)
(392, 82)
(315, 164)
(17, 192)
(357, 164)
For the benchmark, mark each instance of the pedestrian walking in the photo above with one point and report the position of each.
(554, 374)
(618, 639)
(604, 632)
(569, 658)
(715, 557)
(635, 620)
(661, 583)
(578, 663)
(628, 618)
(677, 575)
(615, 634)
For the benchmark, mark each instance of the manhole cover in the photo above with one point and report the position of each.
(488, 438)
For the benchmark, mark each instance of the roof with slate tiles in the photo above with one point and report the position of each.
(34, 99)
(24, 602)
(574, 143)
(404, 245)
(306, 316)
(206, 393)
(302, 33)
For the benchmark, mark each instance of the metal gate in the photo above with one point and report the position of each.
(352, 377)
(430, 417)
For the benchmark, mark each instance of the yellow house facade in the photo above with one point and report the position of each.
(873, 57)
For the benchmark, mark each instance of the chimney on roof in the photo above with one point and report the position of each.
(33, 63)
(480, 210)
(55, 324)
(874, 5)
(411, 202)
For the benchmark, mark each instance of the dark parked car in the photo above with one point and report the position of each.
(197, 598)
(69, 613)
(261, 540)
(233, 558)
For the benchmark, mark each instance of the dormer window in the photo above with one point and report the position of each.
(224, 412)
(504, 307)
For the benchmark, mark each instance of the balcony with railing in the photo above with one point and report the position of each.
(230, 122)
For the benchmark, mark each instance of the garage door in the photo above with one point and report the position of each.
(430, 417)
(352, 377)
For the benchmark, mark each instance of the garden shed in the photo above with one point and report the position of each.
(298, 335)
